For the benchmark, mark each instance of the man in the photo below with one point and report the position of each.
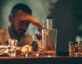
(20, 18)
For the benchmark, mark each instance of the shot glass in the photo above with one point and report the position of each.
(12, 47)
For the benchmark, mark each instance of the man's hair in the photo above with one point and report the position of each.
(22, 7)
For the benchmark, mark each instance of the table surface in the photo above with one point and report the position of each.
(41, 60)
(31, 57)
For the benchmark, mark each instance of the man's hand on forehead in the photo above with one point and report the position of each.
(27, 17)
(23, 16)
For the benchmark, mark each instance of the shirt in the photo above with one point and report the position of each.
(24, 40)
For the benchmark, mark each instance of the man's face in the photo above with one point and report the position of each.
(20, 23)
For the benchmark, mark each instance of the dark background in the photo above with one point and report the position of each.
(68, 19)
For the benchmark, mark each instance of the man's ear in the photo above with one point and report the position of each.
(11, 19)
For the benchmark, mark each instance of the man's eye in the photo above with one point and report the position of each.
(22, 22)
(27, 22)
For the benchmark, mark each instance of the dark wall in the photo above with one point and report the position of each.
(67, 18)
(1, 3)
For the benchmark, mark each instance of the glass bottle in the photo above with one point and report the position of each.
(76, 49)
(80, 49)
(51, 34)
(71, 48)
(49, 22)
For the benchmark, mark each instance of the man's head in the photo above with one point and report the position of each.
(17, 19)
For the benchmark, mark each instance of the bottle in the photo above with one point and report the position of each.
(76, 49)
(80, 49)
(71, 48)
(51, 34)
(49, 22)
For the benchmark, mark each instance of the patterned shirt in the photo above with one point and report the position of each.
(24, 40)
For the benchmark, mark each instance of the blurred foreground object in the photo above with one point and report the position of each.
(12, 47)
(3, 50)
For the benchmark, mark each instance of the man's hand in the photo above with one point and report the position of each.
(27, 17)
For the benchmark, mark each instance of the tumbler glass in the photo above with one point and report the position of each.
(12, 47)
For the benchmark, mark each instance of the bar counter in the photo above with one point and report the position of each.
(41, 60)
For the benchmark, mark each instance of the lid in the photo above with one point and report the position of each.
(49, 17)
(75, 42)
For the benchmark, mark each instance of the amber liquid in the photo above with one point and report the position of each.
(80, 50)
(71, 50)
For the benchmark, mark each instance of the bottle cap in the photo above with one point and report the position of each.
(49, 17)
(75, 42)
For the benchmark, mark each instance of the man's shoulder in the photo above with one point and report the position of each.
(27, 39)
(3, 30)
(28, 35)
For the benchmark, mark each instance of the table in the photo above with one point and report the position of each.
(41, 60)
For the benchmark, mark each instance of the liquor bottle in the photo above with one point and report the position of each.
(76, 49)
(80, 49)
(51, 33)
(49, 22)
(71, 48)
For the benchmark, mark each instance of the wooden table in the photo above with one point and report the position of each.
(41, 60)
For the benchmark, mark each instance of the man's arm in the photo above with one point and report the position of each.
(37, 23)
(31, 19)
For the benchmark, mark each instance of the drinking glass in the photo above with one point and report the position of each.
(12, 47)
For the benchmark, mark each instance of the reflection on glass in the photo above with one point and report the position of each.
(12, 47)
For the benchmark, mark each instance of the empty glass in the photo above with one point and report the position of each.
(49, 40)
(12, 47)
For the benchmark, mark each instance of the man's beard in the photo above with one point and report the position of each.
(20, 31)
